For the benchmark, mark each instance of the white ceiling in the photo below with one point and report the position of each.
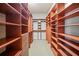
(39, 10)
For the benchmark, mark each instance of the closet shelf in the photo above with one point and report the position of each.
(68, 9)
(69, 43)
(71, 7)
(7, 41)
(77, 24)
(75, 14)
(23, 9)
(68, 25)
(55, 45)
(12, 9)
(62, 52)
(8, 23)
(24, 25)
(54, 38)
(23, 33)
(67, 35)
(23, 17)
(2, 23)
(67, 49)
(12, 52)
(54, 51)
(17, 53)
(69, 16)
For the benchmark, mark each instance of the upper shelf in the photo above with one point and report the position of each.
(69, 16)
(67, 35)
(69, 8)
(8, 9)
(11, 9)
(77, 24)
(25, 5)
(66, 10)
(16, 6)
(75, 14)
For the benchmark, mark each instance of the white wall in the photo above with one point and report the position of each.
(43, 25)
(39, 16)
(74, 30)
(35, 25)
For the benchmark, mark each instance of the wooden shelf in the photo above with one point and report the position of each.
(24, 25)
(7, 41)
(70, 51)
(2, 23)
(15, 5)
(23, 17)
(68, 25)
(25, 6)
(54, 11)
(71, 7)
(39, 30)
(24, 21)
(8, 9)
(54, 51)
(54, 38)
(24, 13)
(69, 16)
(24, 29)
(18, 53)
(23, 9)
(67, 35)
(12, 24)
(15, 53)
(53, 28)
(72, 45)
(12, 53)
(71, 36)
(77, 24)
(62, 52)
(55, 45)
(15, 11)
(24, 34)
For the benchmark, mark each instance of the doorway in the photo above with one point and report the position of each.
(39, 29)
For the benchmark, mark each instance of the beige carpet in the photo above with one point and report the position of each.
(40, 48)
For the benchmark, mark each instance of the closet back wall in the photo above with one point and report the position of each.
(35, 27)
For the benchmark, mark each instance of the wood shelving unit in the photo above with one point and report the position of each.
(62, 43)
(14, 21)
(48, 29)
(30, 29)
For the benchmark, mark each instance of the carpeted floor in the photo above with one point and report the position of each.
(40, 48)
